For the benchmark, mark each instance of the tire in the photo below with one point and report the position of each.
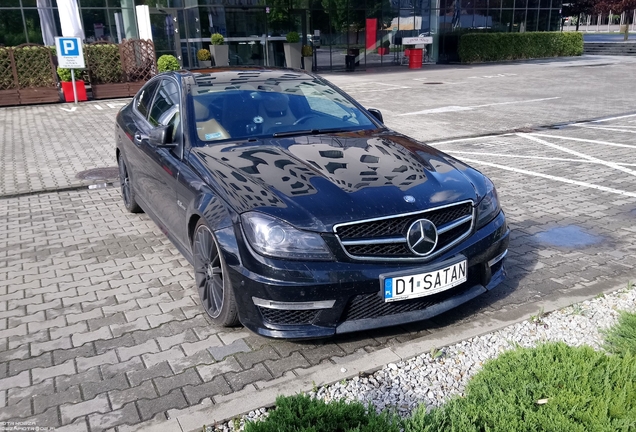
(212, 278)
(127, 190)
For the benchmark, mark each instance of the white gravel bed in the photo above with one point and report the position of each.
(432, 378)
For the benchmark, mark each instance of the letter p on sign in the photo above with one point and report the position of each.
(69, 47)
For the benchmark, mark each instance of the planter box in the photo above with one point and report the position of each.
(110, 91)
(134, 87)
(39, 95)
(67, 89)
(9, 97)
(205, 63)
(383, 51)
(309, 61)
(292, 54)
(221, 54)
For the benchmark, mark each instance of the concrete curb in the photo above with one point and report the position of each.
(264, 393)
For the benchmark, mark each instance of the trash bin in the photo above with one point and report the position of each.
(356, 53)
(415, 58)
(350, 63)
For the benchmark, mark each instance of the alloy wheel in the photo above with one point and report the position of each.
(124, 181)
(208, 271)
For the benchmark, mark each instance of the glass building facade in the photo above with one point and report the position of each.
(371, 30)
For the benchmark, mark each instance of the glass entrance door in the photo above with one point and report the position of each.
(169, 33)
(165, 32)
(246, 35)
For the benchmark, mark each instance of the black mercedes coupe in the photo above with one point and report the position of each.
(302, 214)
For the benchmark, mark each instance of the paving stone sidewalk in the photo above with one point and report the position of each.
(100, 323)
(101, 328)
(45, 147)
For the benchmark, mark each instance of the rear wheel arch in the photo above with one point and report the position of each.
(192, 224)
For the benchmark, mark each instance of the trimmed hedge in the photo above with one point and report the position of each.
(485, 47)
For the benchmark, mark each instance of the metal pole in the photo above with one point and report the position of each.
(634, 21)
(73, 82)
(609, 21)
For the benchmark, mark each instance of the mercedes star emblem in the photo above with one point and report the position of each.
(422, 237)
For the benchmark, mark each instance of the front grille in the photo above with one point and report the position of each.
(371, 236)
(374, 306)
(391, 249)
(289, 317)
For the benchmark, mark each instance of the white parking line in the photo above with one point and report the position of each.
(605, 128)
(468, 139)
(614, 118)
(584, 140)
(551, 177)
(575, 153)
(454, 108)
(555, 159)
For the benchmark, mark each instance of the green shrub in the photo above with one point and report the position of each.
(203, 55)
(292, 37)
(7, 80)
(301, 413)
(33, 64)
(307, 51)
(217, 39)
(104, 63)
(483, 47)
(621, 338)
(168, 63)
(65, 74)
(585, 390)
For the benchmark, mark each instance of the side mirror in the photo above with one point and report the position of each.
(161, 136)
(376, 113)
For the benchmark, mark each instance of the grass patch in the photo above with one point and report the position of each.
(585, 390)
(621, 339)
(553, 387)
(301, 413)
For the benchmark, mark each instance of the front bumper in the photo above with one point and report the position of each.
(300, 300)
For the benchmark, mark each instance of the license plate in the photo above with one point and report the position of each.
(424, 284)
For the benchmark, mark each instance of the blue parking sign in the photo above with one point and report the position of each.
(69, 52)
(69, 47)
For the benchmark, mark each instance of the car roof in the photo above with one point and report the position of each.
(235, 74)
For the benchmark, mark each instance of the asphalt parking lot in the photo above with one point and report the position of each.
(100, 326)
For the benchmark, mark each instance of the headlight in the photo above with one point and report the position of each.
(488, 207)
(272, 237)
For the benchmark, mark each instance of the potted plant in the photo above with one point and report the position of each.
(167, 63)
(204, 57)
(67, 84)
(308, 59)
(219, 51)
(292, 50)
(384, 49)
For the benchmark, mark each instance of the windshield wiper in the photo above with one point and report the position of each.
(309, 132)
(299, 132)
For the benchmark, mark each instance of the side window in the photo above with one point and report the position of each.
(144, 98)
(165, 108)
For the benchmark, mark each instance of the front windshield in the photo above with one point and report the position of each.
(268, 105)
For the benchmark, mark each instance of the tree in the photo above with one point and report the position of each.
(578, 7)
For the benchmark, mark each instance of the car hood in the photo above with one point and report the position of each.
(314, 182)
